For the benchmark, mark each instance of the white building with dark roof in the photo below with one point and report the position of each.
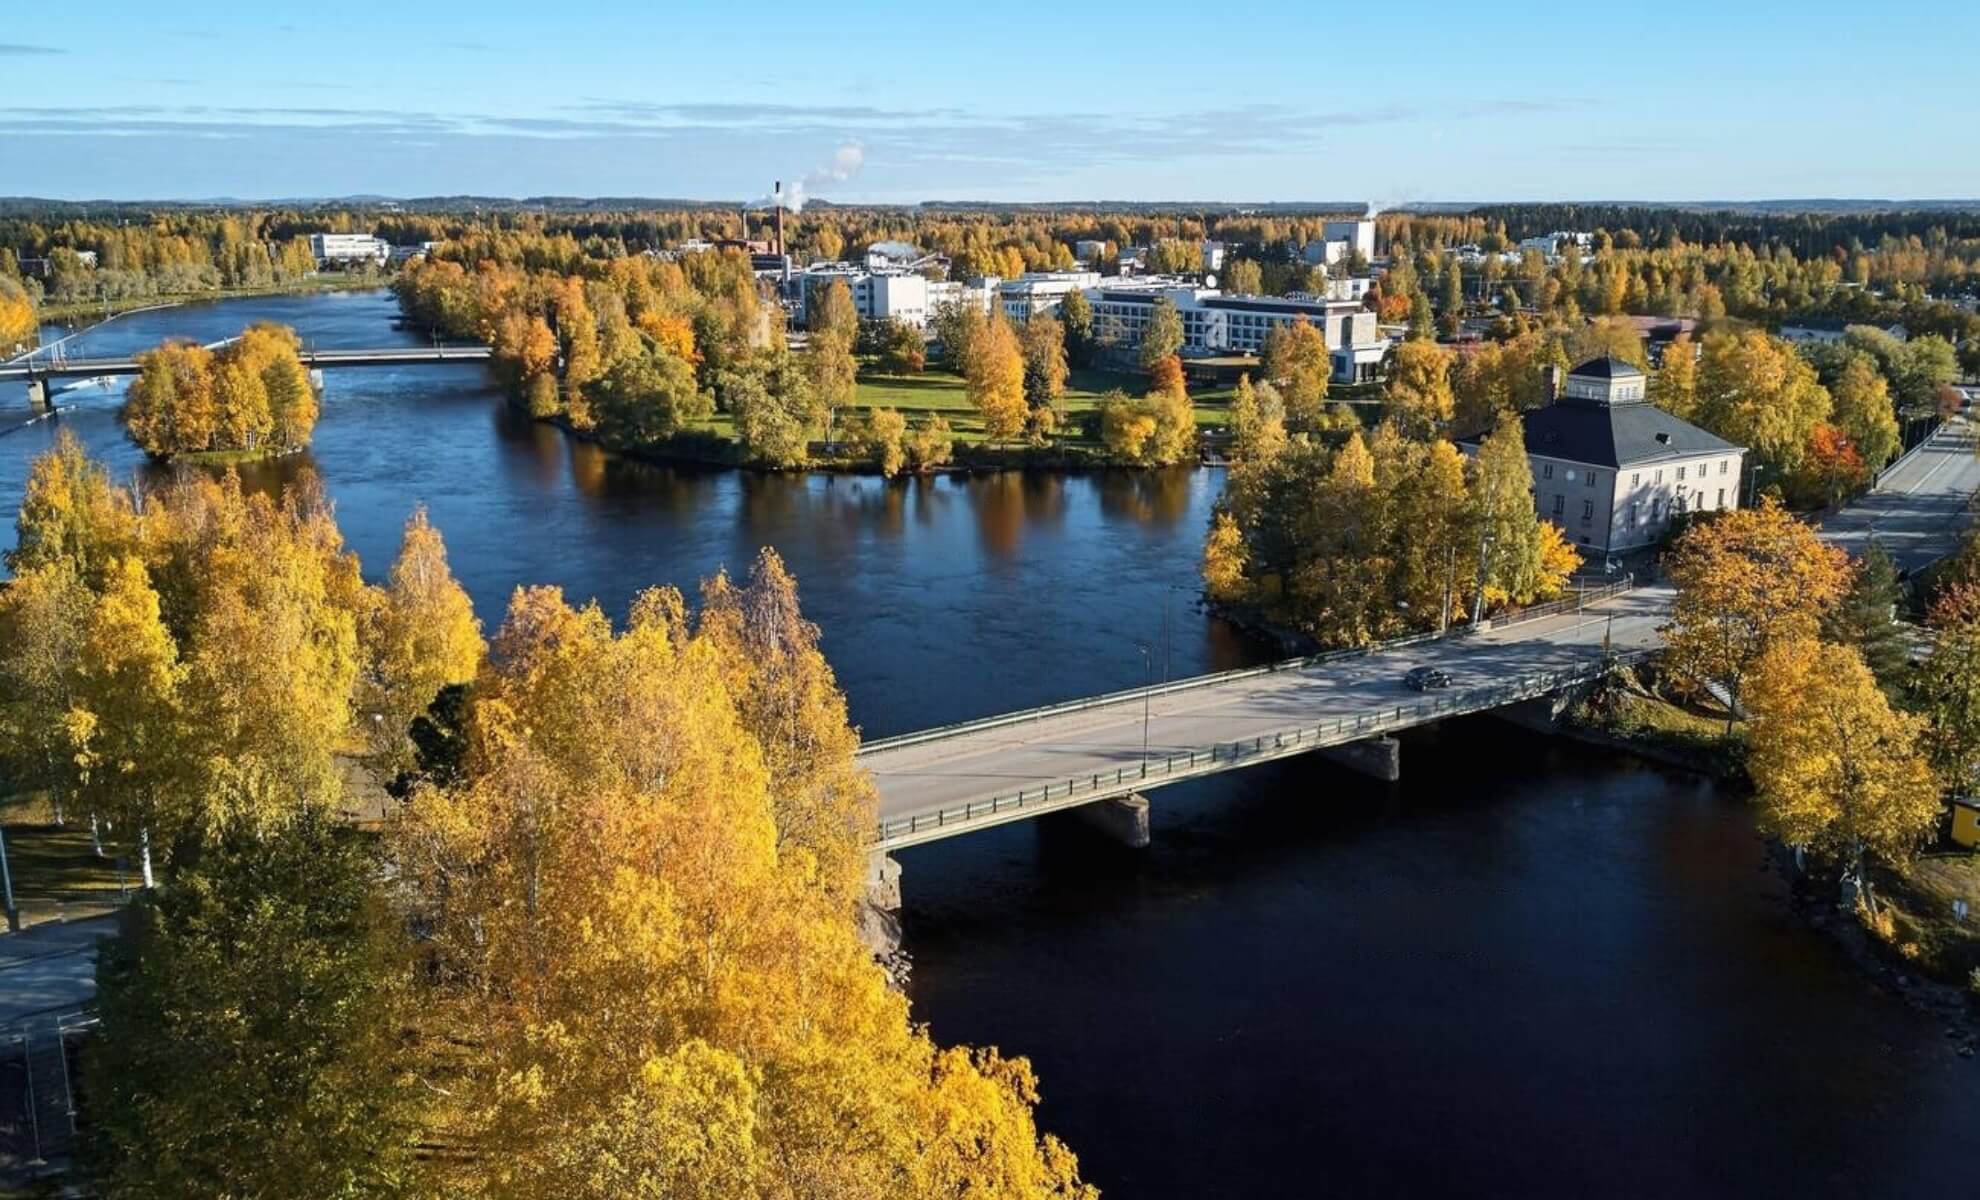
(1613, 470)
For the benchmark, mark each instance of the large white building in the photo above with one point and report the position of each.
(1040, 293)
(348, 247)
(1214, 323)
(1613, 470)
(886, 295)
(1342, 240)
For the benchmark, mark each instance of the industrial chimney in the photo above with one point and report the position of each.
(778, 197)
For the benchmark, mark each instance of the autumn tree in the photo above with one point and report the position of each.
(1127, 427)
(881, 436)
(1835, 768)
(1043, 341)
(1674, 384)
(1946, 687)
(1258, 420)
(125, 723)
(643, 939)
(1297, 363)
(776, 408)
(995, 371)
(832, 312)
(1756, 391)
(647, 397)
(71, 514)
(42, 614)
(1863, 411)
(1746, 580)
(420, 637)
(253, 393)
(1243, 278)
(251, 1027)
(1516, 566)
(1163, 338)
(1417, 397)
(1224, 561)
(1168, 402)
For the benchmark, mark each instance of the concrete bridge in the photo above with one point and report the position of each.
(1102, 755)
(40, 372)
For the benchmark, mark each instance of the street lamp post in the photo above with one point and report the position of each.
(1485, 541)
(1147, 686)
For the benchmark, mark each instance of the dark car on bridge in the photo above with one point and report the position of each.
(1427, 679)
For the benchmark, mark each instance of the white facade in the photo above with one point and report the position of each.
(885, 295)
(348, 247)
(1040, 293)
(1089, 250)
(1214, 323)
(1359, 235)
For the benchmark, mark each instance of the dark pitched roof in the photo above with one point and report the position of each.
(1606, 368)
(1618, 435)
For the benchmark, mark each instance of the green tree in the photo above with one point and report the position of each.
(1756, 391)
(647, 397)
(252, 1028)
(1164, 336)
(1946, 688)
(1076, 316)
(1866, 620)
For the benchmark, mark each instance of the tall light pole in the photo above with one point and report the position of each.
(1485, 541)
(1147, 686)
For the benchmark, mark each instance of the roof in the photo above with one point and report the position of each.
(1618, 435)
(1607, 367)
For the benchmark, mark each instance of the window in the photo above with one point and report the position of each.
(1587, 510)
(1656, 510)
(1722, 499)
(1560, 503)
(1634, 519)
(1723, 464)
(1547, 471)
(1659, 477)
(1680, 472)
(1591, 479)
(1635, 478)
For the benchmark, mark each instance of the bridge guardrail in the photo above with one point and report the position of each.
(922, 826)
(1021, 716)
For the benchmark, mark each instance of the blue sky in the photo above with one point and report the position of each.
(1016, 100)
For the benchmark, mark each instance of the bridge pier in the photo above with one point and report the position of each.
(1123, 818)
(1379, 758)
(38, 401)
(883, 881)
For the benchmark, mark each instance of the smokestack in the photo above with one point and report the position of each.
(779, 197)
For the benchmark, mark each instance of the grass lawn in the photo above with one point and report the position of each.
(1926, 930)
(54, 870)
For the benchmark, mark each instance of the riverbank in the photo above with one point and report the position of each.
(85, 314)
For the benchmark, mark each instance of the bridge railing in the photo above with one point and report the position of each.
(1025, 715)
(1222, 756)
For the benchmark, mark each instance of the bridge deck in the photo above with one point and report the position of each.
(950, 781)
(991, 772)
(391, 356)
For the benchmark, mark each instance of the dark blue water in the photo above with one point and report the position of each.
(1529, 969)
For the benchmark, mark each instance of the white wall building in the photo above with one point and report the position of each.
(1214, 323)
(348, 247)
(1040, 293)
(1613, 470)
(1089, 250)
(885, 295)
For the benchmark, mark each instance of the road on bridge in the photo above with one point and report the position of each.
(1916, 513)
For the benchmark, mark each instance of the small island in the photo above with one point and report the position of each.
(248, 398)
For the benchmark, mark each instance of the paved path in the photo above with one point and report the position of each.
(50, 967)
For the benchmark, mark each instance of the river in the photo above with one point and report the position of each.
(1530, 968)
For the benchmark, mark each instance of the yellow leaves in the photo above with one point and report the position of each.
(188, 399)
(993, 366)
(1418, 394)
(1224, 560)
(1745, 580)
(1836, 769)
(421, 637)
(1558, 560)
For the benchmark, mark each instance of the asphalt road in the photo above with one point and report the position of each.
(1915, 514)
(1920, 506)
(999, 760)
